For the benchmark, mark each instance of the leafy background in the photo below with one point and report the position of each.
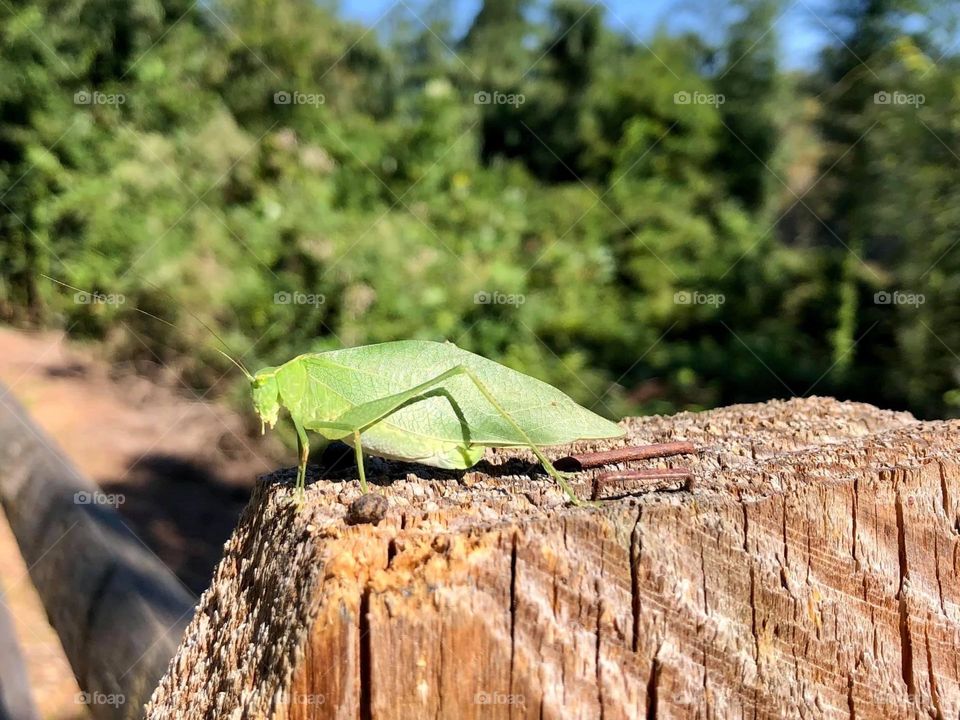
(643, 253)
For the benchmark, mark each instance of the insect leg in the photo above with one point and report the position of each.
(332, 431)
(560, 477)
(359, 418)
(359, 452)
(365, 415)
(370, 413)
(303, 454)
(303, 446)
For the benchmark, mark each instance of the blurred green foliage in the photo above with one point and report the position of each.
(656, 225)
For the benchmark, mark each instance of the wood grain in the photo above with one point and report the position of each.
(810, 572)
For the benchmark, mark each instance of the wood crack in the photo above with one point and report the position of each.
(636, 609)
(365, 669)
(934, 689)
(652, 686)
(636, 548)
(906, 641)
(513, 609)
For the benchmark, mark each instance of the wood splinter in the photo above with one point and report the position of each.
(654, 479)
(584, 461)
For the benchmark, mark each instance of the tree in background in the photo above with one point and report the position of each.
(494, 47)
(301, 183)
(551, 134)
(750, 80)
(857, 72)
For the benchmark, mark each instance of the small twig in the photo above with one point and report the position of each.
(664, 476)
(572, 463)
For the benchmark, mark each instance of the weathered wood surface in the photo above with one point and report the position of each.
(119, 612)
(811, 571)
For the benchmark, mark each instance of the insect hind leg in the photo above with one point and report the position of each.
(560, 477)
(361, 417)
(364, 416)
(358, 449)
(303, 454)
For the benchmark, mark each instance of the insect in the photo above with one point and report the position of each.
(427, 402)
(416, 400)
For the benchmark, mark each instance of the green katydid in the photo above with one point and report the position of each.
(416, 400)
(426, 402)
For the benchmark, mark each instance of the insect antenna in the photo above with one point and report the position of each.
(209, 329)
(237, 363)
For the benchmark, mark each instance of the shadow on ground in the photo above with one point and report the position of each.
(182, 511)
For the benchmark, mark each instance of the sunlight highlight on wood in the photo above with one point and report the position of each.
(809, 573)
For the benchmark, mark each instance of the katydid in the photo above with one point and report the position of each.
(421, 401)
(416, 400)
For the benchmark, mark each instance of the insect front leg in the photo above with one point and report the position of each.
(330, 430)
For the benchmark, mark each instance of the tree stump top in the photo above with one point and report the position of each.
(806, 571)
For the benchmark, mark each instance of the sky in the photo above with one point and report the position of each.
(803, 28)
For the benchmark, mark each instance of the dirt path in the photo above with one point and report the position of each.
(182, 466)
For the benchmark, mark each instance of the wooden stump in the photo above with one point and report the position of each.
(810, 572)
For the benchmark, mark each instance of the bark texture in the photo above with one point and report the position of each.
(810, 571)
